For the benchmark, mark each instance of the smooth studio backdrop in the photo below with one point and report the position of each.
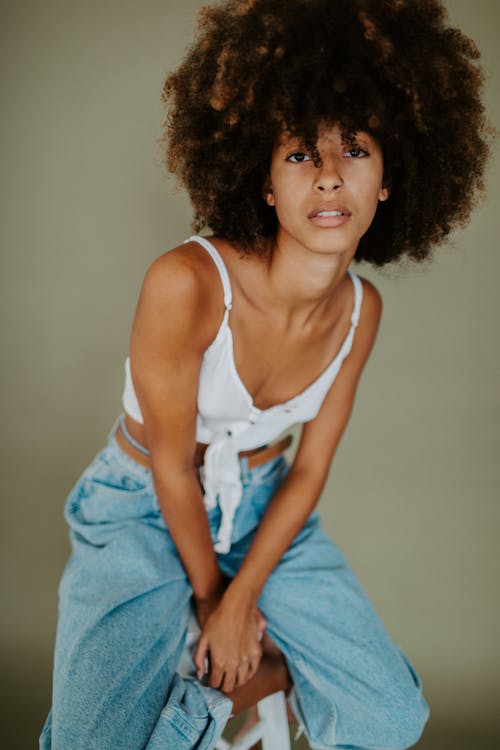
(86, 205)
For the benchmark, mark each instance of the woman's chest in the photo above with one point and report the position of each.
(274, 361)
(273, 351)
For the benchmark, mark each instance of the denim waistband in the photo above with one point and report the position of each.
(133, 441)
(223, 478)
(114, 449)
(120, 420)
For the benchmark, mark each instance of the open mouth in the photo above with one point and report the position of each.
(330, 213)
(331, 217)
(326, 212)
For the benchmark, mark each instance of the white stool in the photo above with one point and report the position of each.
(272, 727)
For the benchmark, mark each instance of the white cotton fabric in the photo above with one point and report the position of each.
(228, 420)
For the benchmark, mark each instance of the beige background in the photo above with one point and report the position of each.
(85, 207)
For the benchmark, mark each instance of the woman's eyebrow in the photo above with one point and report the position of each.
(293, 143)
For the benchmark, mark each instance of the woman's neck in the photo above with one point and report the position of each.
(301, 284)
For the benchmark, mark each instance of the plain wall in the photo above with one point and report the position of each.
(85, 207)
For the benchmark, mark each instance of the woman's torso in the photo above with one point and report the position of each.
(265, 349)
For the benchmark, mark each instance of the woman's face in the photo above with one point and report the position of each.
(328, 206)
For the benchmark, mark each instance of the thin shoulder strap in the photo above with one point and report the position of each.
(358, 297)
(217, 258)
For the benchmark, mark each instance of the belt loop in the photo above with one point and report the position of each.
(129, 437)
(115, 425)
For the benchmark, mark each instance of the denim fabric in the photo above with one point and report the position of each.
(124, 603)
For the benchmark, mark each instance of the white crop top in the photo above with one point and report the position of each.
(228, 420)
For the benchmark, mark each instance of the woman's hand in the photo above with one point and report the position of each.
(230, 637)
(205, 607)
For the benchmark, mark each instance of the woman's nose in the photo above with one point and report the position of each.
(328, 177)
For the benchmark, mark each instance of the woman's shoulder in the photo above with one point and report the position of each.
(370, 311)
(184, 281)
(186, 268)
(192, 261)
(371, 294)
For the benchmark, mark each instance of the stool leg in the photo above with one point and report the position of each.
(222, 744)
(272, 711)
(271, 729)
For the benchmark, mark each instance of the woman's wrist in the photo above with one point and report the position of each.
(212, 591)
(242, 592)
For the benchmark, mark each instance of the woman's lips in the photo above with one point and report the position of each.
(329, 218)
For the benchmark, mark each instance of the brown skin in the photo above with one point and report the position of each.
(349, 178)
(309, 325)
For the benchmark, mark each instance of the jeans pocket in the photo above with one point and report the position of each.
(108, 493)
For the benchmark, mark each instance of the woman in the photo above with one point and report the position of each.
(308, 134)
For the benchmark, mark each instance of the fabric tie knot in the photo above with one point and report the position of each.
(221, 479)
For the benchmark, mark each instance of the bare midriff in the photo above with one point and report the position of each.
(137, 431)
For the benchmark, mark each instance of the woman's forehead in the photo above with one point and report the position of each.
(326, 133)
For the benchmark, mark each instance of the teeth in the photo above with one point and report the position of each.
(330, 213)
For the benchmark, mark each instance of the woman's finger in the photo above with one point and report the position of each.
(254, 664)
(261, 623)
(243, 674)
(256, 656)
(217, 670)
(229, 682)
(200, 656)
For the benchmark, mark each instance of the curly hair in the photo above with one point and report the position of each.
(394, 69)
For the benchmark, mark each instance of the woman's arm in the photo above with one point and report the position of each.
(170, 333)
(298, 495)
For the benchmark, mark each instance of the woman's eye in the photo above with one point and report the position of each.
(298, 157)
(356, 152)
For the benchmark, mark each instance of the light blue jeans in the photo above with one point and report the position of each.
(124, 603)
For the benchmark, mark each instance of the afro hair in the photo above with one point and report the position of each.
(394, 69)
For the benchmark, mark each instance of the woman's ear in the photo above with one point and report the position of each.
(267, 192)
(384, 193)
